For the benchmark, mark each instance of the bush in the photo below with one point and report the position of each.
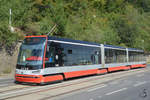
(115, 22)
(8, 40)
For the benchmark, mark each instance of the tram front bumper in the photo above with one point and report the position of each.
(29, 78)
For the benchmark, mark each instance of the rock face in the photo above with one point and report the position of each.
(7, 62)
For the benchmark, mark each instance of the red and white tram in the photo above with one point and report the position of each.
(44, 59)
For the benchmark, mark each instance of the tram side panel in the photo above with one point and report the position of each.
(62, 54)
(136, 59)
(122, 59)
(116, 59)
(82, 59)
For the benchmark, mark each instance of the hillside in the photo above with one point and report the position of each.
(116, 22)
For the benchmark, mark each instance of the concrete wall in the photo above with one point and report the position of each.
(7, 62)
(148, 59)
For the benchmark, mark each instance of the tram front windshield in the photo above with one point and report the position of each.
(31, 53)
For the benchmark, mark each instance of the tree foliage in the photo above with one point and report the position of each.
(116, 22)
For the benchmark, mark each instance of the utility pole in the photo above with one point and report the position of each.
(9, 17)
(142, 44)
(10, 22)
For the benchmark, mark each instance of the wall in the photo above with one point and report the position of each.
(7, 62)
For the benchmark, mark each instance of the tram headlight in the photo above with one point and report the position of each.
(36, 71)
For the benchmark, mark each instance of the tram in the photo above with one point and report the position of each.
(44, 59)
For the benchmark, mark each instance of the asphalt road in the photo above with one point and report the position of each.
(135, 87)
(123, 85)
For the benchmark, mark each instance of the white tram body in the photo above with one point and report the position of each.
(44, 59)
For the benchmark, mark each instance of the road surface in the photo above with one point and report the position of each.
(124, 85)
(135, 87)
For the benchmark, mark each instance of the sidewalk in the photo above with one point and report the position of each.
(6, 76)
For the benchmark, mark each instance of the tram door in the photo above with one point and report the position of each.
(54, 55)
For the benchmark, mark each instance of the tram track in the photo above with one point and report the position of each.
(7, 85)
(17, 88)
(6, 82)
(64, 85)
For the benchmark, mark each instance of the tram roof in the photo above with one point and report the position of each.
(134, 49)
(90, 43)
(112, 46)
(72, 41)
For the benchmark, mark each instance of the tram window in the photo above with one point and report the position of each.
(141, 56)
(69, 51)
(134, 56)
(51, 54)
(95, 58)
(54, 55)
(81, 55)
(130, 56)
(50, 57)
(115, 56)
(109, 55)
